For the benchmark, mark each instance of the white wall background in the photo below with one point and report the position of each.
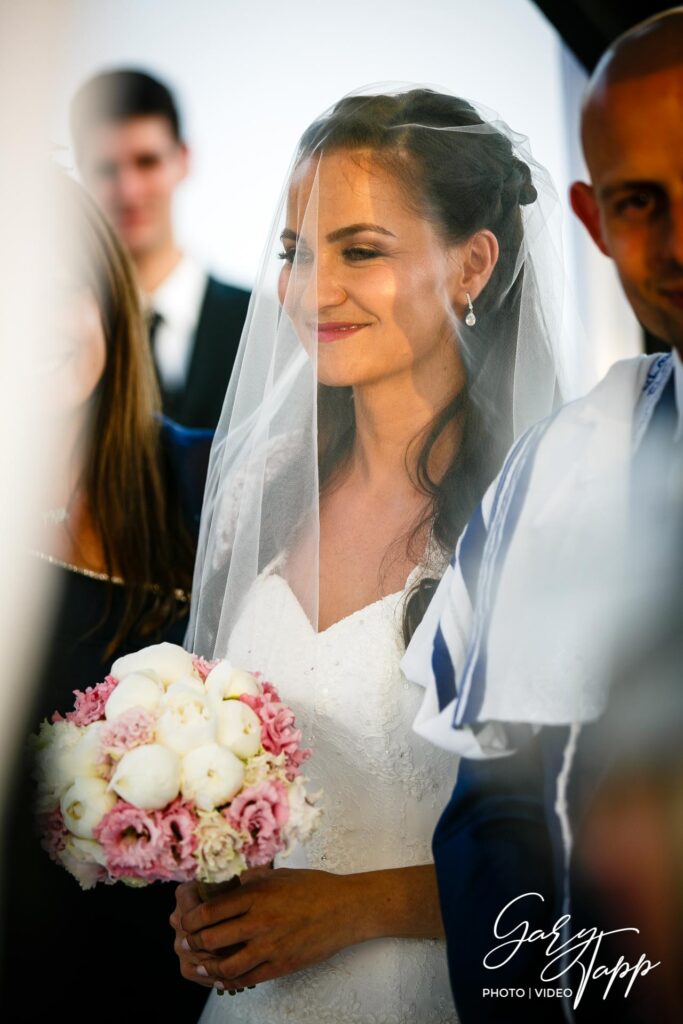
(251, 74)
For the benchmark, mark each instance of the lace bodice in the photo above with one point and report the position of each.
(384, 788)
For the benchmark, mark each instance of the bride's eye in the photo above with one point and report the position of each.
(358, 253)
(296, 255)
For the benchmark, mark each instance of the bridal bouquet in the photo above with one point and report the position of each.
(173, 768)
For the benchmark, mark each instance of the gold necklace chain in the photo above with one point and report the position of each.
(180, 595)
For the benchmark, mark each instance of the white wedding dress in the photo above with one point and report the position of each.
(383, 790)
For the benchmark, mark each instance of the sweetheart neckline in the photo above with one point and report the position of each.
(319, 633)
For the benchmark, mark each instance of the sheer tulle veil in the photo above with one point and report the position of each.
(262, 493)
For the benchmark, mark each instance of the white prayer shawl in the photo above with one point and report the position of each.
(521, 627)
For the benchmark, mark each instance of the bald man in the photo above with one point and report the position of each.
(518, 704)
(632, 134)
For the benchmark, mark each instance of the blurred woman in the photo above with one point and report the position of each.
(119, 535)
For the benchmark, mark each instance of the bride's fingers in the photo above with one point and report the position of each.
(221, 908)
(226, 934)
(236, 970)
(187, 897)
(191, 966)
(265, 971)
(182, 950)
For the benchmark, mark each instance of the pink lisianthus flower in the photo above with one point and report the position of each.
(270, 691)
(278, 735)
(203, 666)
(133, 842)
(149, 845)
(90, 704)
(53, 833)
(262, 812)
(178, 823)
(133, 728)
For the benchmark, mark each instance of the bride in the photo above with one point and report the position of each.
(369, 409)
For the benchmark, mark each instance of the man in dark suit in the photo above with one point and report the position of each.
(552, 818)
(132, 157)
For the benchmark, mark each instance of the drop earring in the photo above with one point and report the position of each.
(470, 319)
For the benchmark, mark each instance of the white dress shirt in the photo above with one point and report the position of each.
(178, 301)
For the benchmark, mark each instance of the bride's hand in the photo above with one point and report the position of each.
(281, 921)
(187, 898)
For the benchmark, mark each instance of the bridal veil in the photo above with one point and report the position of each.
(262, 491)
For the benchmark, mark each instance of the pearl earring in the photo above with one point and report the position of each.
(470, 319)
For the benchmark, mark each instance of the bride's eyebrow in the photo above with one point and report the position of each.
(354, 229)
(335, 236)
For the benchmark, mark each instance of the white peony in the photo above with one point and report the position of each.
(212, 776)
(187, 721)
(191, 682)
(183, 690)
(85, 860)
(54, 767)
(86, 757)
(239, 728)
(137, 690)
(86, 850)
(226, 683)
(148, 777)
(169, 661)
(84, 805)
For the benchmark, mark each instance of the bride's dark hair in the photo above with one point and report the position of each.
(463, 181)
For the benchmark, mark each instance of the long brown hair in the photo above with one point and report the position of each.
(462, 182)
(134, 511)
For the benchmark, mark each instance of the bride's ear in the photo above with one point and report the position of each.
(476, 260)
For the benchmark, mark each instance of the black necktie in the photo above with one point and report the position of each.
(154, 321)
(170, 398)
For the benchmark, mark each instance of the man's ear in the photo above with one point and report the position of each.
(584, 205)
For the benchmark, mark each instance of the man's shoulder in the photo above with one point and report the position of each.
(187, 451)
(177, 437)
(220, 293)
(631, 373)
(597, 424)
(616, 394)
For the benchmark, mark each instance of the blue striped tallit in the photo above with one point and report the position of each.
(449, 653)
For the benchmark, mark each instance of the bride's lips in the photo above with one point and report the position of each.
(335, 330)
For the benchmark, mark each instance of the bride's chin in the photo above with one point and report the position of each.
(337, 368)
(333, 381)
(335, 373)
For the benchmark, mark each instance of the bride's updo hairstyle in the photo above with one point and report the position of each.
(464, 177)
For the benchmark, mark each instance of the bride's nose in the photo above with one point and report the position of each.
(326, 289)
